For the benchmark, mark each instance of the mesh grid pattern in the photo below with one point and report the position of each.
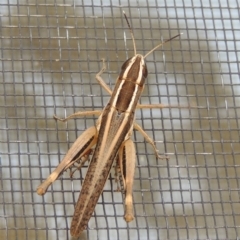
(50, 54)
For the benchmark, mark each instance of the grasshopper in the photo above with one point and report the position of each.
(111, 135)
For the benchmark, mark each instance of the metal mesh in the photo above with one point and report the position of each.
(50, 54)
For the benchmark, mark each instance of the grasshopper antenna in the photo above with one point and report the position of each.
(133, 39)
(131, 32)
(159, 45)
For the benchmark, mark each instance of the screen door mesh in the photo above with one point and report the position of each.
(50, 53)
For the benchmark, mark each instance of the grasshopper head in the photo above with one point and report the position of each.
(134, 69)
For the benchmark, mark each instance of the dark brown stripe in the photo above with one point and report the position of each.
(125, 96)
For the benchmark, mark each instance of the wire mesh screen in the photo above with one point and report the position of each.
(50, 54)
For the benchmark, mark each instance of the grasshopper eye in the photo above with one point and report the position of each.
(145, 71)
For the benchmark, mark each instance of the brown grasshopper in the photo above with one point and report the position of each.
(111, 135)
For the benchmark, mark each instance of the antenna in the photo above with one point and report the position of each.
(159, 45)
(131, 32)
(133, 39)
